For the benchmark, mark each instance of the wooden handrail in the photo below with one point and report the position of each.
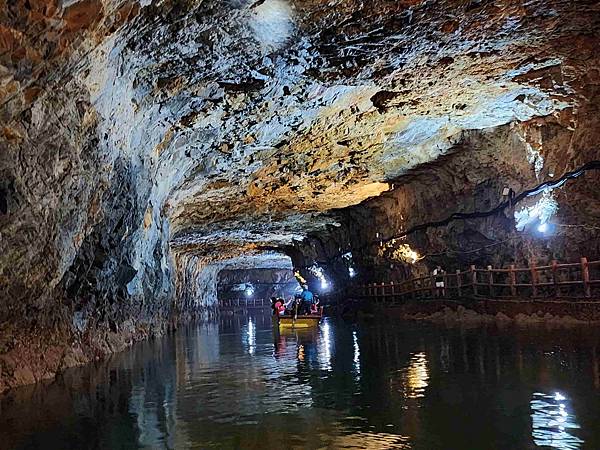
(243, 302)
(474, 285)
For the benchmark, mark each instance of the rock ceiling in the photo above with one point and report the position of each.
(248, 120)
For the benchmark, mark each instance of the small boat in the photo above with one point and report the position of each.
(299, 320)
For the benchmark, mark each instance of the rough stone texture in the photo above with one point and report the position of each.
(521, 312)
(146, 146)
(470, 178)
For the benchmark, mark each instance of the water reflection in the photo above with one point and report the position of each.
(379, 441)
(417, 376)
(238, 383)
(412, 380)
(356, 358)
(146, 414)
(324, 346)
(552, 423)
(249, 335)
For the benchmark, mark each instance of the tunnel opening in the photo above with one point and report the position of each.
(255, 287)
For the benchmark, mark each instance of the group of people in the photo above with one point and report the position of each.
(304, 303)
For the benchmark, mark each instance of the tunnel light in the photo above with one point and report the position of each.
(412, 256)
(319, 273)
(542, 228)
(399, 252)
(542, 211)
(347, 258)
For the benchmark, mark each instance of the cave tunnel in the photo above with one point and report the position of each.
(428, 171)
(256, 281)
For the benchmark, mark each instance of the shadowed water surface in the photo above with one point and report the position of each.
(401, 385)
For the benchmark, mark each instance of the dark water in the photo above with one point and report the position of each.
(236, 384)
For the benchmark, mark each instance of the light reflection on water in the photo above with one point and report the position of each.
(240, 384)
(412, 380)
(552, 422)
(324, 346)
(249, 333)
(356, 358)
(417, 376)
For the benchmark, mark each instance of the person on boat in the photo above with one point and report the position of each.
(314, 307)
(438, 275)
(278, 306)
(307, 298)
(290, 307)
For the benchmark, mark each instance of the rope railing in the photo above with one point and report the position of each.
(556, 280)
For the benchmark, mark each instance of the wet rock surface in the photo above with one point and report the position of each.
(146, 146)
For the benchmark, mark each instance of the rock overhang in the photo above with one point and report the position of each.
(239, 113)
(335, 143)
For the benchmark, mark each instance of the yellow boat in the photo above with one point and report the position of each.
(299, 321)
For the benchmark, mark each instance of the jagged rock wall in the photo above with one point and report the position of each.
(196, 281)
(86, 267)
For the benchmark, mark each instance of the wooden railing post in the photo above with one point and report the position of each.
(512, 277)
(474, 279)
(585, 276)
(432, 287)
(555, 277)
(416, 287)
(490, 281)
(533, 270)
